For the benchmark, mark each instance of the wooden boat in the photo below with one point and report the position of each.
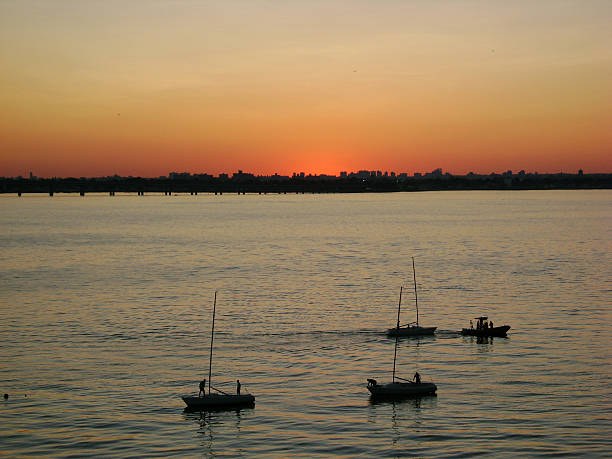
(219, 400)
(413, 328)
(482, 330)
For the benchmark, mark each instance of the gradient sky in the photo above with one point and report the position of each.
(90, 88)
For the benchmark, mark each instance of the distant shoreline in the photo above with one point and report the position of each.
(247, 183)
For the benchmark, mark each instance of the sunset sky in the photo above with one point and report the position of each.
(91, 88)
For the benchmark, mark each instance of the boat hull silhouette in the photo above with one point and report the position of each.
(411, 330)
(402, 389)
(216, 401)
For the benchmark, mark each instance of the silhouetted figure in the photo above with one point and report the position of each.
(471, 324)
(202, 387)
(486, 324)
(417, 378)
(491, 324)
(238, 385)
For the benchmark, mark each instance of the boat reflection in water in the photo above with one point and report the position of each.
(485, 339)
(415, 402)
(212, 424)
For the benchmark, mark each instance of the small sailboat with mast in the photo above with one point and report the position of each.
(219, 399)
(402, 387)
(413, 328)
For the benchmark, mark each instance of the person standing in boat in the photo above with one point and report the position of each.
(491, 324)
(238, 385)
(417, 378)
(202, 387)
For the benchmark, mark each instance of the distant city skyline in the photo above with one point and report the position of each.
(143, 88)
(363, 181)
(438, 172)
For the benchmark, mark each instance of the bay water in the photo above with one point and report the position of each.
(106, 309)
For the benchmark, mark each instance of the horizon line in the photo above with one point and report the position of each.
(341, 174)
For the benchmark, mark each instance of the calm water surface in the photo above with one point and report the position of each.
(105, 314)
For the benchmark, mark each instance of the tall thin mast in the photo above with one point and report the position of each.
(416, 298)
(398, 307)
(397, 334)
(212, 337)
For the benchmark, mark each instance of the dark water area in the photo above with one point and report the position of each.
(106, 304)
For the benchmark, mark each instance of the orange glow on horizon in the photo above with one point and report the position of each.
(317, 89)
